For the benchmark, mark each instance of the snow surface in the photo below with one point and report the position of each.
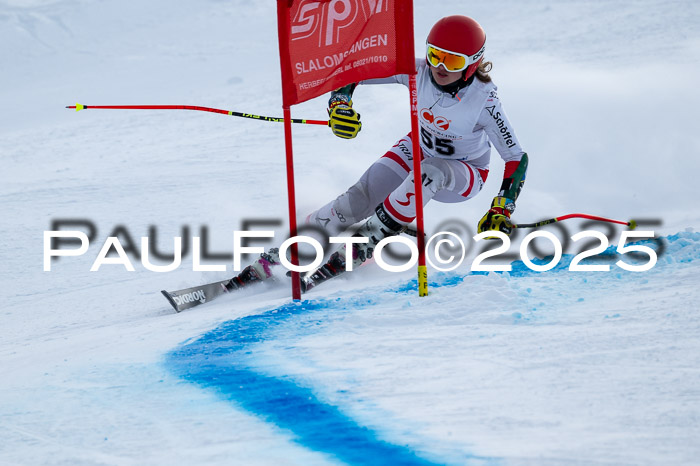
(516, 368)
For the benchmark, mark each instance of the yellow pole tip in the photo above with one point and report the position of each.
(79, 107)
(632, 224)
(422, 281)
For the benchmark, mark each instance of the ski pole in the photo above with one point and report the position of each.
(79, 107)
(632, 224)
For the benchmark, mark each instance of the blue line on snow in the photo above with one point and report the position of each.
(219, 360)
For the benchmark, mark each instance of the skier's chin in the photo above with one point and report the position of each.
(443, 78)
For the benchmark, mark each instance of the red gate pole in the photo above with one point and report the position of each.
(418, 187)
(291, 201)
(285, 63)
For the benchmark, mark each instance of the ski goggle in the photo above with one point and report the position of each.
(451, 61)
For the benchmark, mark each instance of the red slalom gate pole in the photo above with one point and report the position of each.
(79, 107)
(291, 200)
(285, 62)
(418, 188)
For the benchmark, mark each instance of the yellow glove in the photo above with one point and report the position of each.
(498, 217)
(344, 121)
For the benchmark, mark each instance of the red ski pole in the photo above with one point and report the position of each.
(632, 224)
(79, 107)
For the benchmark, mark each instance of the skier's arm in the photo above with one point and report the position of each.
(396, 79)
(344, 121)
(514, 178)
(344, 94)
(496, 124)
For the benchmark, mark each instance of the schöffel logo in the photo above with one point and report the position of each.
(505, 133)
(190, 297)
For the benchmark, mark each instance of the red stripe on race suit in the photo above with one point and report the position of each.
(395, 213)
(392, 156)
(482, 172)
(471, 179)
(397, 158)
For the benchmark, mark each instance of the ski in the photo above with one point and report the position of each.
(191, 297)
(256, 272)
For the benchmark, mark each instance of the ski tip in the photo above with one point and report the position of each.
(170, 300)
(632, 224)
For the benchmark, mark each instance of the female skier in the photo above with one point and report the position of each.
(460, 117)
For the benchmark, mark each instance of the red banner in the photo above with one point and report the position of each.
(326, 44)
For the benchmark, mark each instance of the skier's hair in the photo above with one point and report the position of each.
(482, 72)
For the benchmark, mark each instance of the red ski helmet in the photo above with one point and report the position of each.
(461, 35)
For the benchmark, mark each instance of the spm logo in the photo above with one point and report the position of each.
(326, 20)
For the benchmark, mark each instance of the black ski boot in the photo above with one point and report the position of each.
(376, 228)
(259, 270)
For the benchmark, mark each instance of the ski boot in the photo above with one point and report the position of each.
(258, 271)
(376, 228)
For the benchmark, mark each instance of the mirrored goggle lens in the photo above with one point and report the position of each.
(451, 61)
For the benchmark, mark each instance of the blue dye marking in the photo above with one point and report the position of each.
(221, 359)
(682, 247)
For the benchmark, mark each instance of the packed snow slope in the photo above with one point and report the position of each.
(514, 368)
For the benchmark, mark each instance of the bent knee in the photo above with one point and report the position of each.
(437, 174)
